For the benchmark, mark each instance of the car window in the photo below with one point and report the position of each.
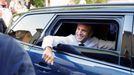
(104, 29)
(29, 28)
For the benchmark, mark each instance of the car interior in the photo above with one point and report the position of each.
(104, 31)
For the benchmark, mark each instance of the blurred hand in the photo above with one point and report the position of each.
(48, 55)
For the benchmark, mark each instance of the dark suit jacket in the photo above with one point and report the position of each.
(13, 59)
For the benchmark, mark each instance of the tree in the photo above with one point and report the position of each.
(76, 1)
(38, 3)
(95, 1)
(90, 1)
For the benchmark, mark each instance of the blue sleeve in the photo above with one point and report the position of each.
(13, 59)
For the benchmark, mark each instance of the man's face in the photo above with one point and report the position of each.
(83, 32)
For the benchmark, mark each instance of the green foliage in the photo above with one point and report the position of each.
(90, 1)
(38, 3)
(101, 1)
(76, 1)
(95, 1)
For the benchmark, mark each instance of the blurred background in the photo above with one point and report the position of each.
(10, 7)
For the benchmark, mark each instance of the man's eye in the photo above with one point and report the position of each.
(84, 31)
(78, 28)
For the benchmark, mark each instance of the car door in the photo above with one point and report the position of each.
(94, 61)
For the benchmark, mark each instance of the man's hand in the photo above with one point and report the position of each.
(48, 55)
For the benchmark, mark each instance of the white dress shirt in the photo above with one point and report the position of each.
(71, 40)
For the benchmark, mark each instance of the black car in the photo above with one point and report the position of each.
(112, 22)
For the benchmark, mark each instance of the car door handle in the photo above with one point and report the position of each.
(43, 67)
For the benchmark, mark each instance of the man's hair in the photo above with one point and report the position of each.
(86, 24)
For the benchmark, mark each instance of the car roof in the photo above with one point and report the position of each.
(126, 8)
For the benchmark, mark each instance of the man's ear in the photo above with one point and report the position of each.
(91, 34)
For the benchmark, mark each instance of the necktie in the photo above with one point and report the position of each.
(81, 44)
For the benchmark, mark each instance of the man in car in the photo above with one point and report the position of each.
(13, 59)
(83, 37)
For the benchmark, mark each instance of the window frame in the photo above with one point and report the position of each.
(118, 18)
(87, 16)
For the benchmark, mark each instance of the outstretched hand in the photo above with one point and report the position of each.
(48, 55)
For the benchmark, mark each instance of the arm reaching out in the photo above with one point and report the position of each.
(48, 55)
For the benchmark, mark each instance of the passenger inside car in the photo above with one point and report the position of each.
(23, 35)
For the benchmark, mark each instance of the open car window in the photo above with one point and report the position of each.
(104, 30)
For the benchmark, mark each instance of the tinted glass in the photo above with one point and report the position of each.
(29, 28)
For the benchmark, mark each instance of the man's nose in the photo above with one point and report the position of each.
(79, 32)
